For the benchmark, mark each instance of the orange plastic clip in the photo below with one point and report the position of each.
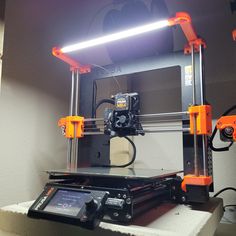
(195, 43)
(70, 123)
(234, 34)
(204, 119)
(184, 20)
(201, 180)
(74, 65)
(227, 121)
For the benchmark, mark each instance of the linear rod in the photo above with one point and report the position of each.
(169, 114)
(149, 131)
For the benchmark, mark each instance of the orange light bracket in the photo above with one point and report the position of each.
(74, 65)
(203, 115)
(184, 20)
(227, 121)
(201, 180)
(73, 126)
(234, 34)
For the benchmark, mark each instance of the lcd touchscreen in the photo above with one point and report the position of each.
(66, 202)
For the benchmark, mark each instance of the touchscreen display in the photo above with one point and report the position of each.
(66, 202)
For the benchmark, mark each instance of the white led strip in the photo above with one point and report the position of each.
(116, 36)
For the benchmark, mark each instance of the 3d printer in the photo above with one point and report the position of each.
(91, 189)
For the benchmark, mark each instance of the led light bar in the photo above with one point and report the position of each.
(116, 36)
(181, 18)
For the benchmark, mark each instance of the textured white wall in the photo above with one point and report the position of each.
(35, 92)
(33, 98)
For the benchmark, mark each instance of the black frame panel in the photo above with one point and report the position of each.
(91, 147)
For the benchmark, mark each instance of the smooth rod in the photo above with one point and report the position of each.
(195, 141)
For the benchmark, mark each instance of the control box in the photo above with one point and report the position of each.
(69, 205)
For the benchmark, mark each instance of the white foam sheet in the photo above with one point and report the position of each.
(164, 220)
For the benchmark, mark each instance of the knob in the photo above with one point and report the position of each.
(90, 203)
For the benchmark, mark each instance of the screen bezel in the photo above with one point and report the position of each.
(60, 214)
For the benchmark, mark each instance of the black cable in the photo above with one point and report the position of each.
(111, 101)
(95, 88)
(229, 110)
(129, 163)
(223, 149)
(230, 205)
(224, 189)
(215, 131)
(106, 100)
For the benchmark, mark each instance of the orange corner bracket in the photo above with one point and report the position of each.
(234, 34)
(203, 115)
(74, 65)
(195, 180)
(227, 122)
(184, 20)
(73, 125)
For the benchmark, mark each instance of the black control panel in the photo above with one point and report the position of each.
(69, 205)
(69, 202)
